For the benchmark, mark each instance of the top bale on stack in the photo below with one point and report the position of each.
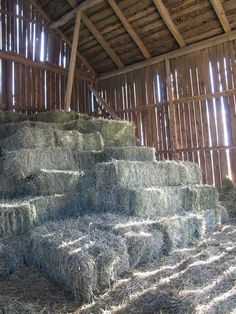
(114, 133)
(8, 117)
(58, 116)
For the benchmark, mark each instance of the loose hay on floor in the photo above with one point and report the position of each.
(83, 261)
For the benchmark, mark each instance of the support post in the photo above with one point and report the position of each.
(72, 61)
(171, 106)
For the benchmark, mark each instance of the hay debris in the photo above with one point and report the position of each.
(83, 262)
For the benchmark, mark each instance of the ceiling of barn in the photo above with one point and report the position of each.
(192, 20)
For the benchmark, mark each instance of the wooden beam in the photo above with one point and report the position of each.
(69, 15)
(41, 65)
(103, 104)
(105, 45)
(219, 10)
(63, 37)
(72, 61)
(173, 54)
(129, 29)
(171, 107)
(169, 22)
(72, 3)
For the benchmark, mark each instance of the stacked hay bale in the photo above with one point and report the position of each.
(68, 165)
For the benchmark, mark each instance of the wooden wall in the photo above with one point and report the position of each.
(34, 63)
(192, 119)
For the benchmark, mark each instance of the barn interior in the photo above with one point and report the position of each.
(117, 156)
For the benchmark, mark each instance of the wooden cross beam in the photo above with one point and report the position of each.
(129, 28)
(68, 16)
(92, 28)
(219, 10)
(169, 22)
(72, 61)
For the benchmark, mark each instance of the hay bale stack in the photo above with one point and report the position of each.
(29, 138)
(114, 133)
(131, 174)
(47, 182)
(25, 162)
(84, 261)
(18, 216)
(156, 201)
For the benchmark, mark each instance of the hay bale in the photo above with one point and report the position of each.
(46, 182)
(8, 187)
(114, 133)
(18, 216)
(181, 231)
(156, 201)
(25, 162)
(143, 238)
(227, 196)
(133, 153)
(133, 174)
(78, 141)
(84, 262)
(12, 255)
(9, 116)
(26, 138)
(58, 116)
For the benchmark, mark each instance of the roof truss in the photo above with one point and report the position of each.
(129, 28)
(169, 22)
(92, 28)
(219, 10)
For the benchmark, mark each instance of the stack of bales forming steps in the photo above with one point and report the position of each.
(61, 171)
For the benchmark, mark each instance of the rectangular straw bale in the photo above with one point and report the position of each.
(83, 261)
(18, 216)
(114, 133)
(9, 116)
(131, 174)
(58, 116)
(46, 182)
(78, 141)
(157, 201)
(25, 162)
(134, 153)
(26, 138)
(143, 238)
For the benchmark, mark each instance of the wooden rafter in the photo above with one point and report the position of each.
(72, 61)
(72, 3)
(229, 36)
(92, 28)
(69, 15)
(63, 37)
(219, 10)
(129, 28)
(164, 13)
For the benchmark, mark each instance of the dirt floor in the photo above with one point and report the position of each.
(194, 280)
